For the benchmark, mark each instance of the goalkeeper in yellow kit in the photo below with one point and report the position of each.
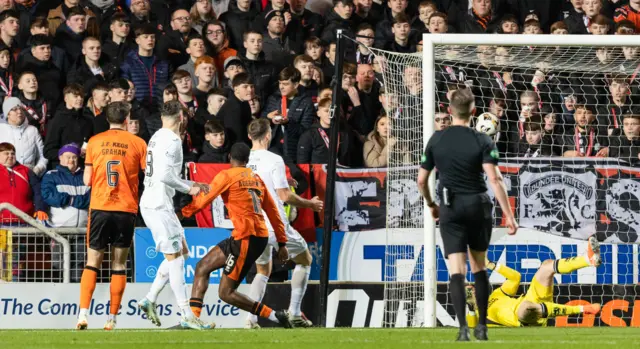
(535, 306)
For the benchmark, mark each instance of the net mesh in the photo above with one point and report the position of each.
(569, 155)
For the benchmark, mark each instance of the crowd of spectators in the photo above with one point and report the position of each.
(231, 61)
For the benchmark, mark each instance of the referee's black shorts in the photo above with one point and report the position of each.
(466, 223)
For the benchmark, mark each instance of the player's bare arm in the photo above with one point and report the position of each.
(294, 199)
(494, 177)
(423, 186)
(88, 175)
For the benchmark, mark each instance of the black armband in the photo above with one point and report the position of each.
(282, 244)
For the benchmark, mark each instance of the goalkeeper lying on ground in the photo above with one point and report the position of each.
(535, 306)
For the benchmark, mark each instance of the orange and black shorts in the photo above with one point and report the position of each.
(241, 255)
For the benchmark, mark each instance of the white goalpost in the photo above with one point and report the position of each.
(559, 201)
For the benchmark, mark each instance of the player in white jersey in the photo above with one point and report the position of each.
(162, 179)
(271, 169)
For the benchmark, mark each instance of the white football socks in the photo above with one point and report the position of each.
(162, 277)
(179, 285)
(258, 287)
(299, 280)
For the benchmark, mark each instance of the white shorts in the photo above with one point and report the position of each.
(295, 246)
(166, 229)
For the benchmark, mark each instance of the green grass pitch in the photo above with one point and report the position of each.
(520, 338)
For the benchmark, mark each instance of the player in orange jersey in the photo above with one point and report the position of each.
(245, 196)
(114, 159)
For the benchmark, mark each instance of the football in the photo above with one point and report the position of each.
(488, 124)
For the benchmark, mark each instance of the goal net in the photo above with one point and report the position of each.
(567, 129)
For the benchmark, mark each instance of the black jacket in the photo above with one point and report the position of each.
(211, 155)
(174, 40)
(621, 147)
(312, 148)
(235, 115)
(301, 114)
(575, 23)
(67, 126)
(104, 16)
(238, 22)
(69, 41)
(332, 24)
(58, 56)
(153, 123)
(305, 26)
(199, 119)
(117, 52)
(50, 79)
(264, 75)
(81, 74)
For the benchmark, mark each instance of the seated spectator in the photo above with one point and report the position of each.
(92, 66)
(60, 14)
(172, 46)
(438, 23)
(232, 67)
(70, 35)
(600, 25)
(532, 27)
(216, 97)
(239, 20)
(195, 49)
(538, 143)
(425, 10)
(577, 21)
(379, 144)
(308, 86)
(235, 114)
(559, 28)
(584, 140)
(629, 12)
(625, 144)
(40, 62)
(25, 138)
(366, 37)
(205, 73)
(20, 188)
(401, 30)
(148, 73)
(201, 12)
(260, 70)
(313, 147)
(69, 125)
(217, 46)
(314, 49)
(483, 17)
(509, 25)
(214, 150)
(6, 73)
(290, 113)
(118, 44)
(64, 191)
(37, 110)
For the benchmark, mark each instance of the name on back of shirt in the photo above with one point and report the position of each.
(114, 148)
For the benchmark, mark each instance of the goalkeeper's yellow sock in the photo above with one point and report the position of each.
(550, 310)
(568, 265)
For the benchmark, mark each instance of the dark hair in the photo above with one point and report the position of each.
(119, 84)
(441, 15)
(258, 128)
(532, 126)
(75, 89)
(314, 40)
(240, 152)
(74, 11)
(625, 27)
(100, 86)
(241, 79)
(213, 126)
(10, 13)
(558, 25)
(246, 34)
(217, 91)
(364, 26)
(117, 112)
(39, 22)
(461, 103)
(631, 115)
(26, 72)
(601, 20)
(7, 146)
(401, 18)
(349, 69)
(194, 37)
(171, 110)
(120, 17)
(377, 137)
(145, 29)
(171, 89)
(289, 73)
(324, 103)
(40, 40)
(180, 74)
(303, 58)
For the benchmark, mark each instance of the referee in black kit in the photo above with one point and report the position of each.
(461, 154)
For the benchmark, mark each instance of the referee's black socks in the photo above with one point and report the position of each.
(458, 297)
(482, 295)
